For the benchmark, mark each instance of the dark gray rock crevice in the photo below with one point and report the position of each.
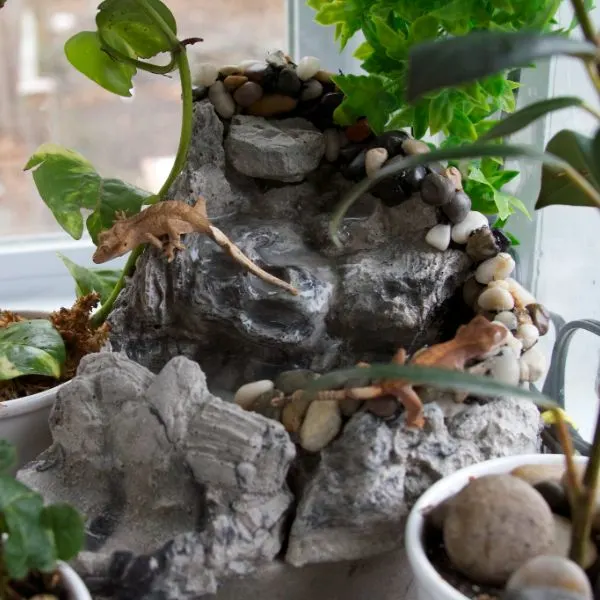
(384, 288)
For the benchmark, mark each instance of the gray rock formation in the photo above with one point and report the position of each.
(168, 475)
(356, 503)
(286, 150)
(184, 492)
(385, 288)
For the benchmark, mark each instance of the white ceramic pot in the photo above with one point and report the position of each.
(75, 587)
(430, 585)
(24, 421)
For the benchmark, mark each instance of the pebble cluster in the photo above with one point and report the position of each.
(277, 87)
(492, 291)
(513, 531)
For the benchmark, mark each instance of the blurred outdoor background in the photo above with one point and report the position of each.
(43, 98)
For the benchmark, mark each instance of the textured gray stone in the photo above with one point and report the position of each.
(356, 503)
(383, 288)
(167, 475)
(285, 150)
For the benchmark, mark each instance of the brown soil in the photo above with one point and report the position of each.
(80, 339)
(38, 585)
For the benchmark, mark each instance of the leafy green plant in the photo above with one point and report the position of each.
(33, 537)
(462, 113)
(570, 176)
(31, 347)
(128, 33)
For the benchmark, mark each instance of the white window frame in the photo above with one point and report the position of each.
(33, 277)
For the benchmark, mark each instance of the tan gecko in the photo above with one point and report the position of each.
(473, 340)
(172, 218)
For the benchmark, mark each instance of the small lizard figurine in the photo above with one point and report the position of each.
(171, 218)
(473, 340)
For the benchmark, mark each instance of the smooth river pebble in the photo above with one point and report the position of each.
(221, 100)
(532, 364)
(374, 160)
(322, 423)
(308, 67)
(461, 231)
(439, 237)
(497, 267)
(249, 392)
(494, 525)
(204, 74)
(528, 334)
(495, 299)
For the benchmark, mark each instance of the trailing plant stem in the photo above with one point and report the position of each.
(182, 151)
(583, 502)
(584, 20)
(187, 116)
(102, 313)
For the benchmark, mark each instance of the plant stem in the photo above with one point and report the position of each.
(184, 143)
(591, 110)
(102, 313)
(187, 116)
(585, 501)
(584, 20)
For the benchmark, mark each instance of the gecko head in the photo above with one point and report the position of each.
(486, 334)
(112, 244)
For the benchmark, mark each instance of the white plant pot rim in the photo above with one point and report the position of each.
(75, 587)
(27, 404)
(422, 568)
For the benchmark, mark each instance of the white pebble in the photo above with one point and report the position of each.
(322, 423)
(503, 367)
(332, 144)
(532, 364)
(277, 58)
(249, 392)
(308, 67)
(507, 318)
(495, 299)
(499, 283)
(497, 267)
(221, 100)
(439, 237)
(528, 334)
(461, 231)
(520, 294)
(204, 74)
(374, 160)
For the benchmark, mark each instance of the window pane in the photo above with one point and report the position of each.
(43, 98)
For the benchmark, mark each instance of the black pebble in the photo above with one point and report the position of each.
(502, 240)
(355, 170)
(393, 190)
(554, 494)
(391, 141)
(199, 93)
(288, 82)
(458, 208)
(414, 177)
(436, 190)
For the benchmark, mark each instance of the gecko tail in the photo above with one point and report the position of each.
(201, 215)
(220, 238)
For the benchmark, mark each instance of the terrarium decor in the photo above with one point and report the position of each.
(274, 399)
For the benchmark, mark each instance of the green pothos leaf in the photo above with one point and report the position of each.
(85, 52)
(31, 347)
(147, 32)
(69, 184)
(87, 281)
